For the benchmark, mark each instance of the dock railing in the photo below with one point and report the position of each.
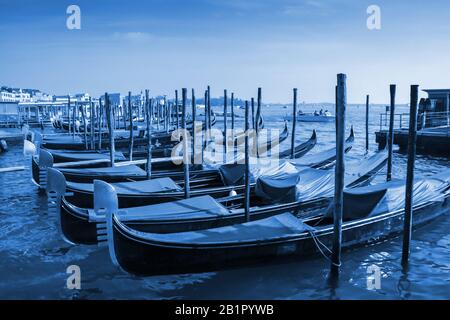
(425, 120)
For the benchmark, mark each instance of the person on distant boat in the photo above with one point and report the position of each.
(321, 112)
(316, 113)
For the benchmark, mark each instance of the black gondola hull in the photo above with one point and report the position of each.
(143, 257)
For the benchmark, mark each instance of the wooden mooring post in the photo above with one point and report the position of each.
(341, 104)
(74, 114)
(412, 137)
(176, 109)
(194, 126)
(206, 121)
(258, 116)
(225, 110)
(68, 113)
(367, 123)
(253, 112)
(109, 116)
(253, 131)
(209, 108)
(185, 145)
(149, 135)
(232, 111)
(391, 133)
(247, 167)
(130, 112)
(92, 122)
(294, 123)
(100, 123)
(83, 115)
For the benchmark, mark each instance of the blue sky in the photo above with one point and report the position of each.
(238, 45)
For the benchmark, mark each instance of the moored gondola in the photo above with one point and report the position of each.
(315, 190)
(371, 214)
(111, 174)
(163, 167)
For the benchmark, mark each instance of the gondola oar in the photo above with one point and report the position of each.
(11, 169)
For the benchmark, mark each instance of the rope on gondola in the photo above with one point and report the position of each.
(318, 244)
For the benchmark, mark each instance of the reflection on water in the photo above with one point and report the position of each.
(34, 258)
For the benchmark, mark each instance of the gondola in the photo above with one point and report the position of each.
(121, 140)
(200, 211)
(143, 192)
(371, 214)
(327, 156)
(164, 167)
(301, 149)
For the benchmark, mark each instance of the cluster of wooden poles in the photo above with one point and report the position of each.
(150, 109)
(341, 104)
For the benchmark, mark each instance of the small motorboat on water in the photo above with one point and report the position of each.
(325, 116)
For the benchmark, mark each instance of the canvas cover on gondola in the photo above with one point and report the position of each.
(279, 226)
(280, 184)
(130, 170)
(233, 173)
(131, 188)
(82, 156)
(390, 196)
(198, 207)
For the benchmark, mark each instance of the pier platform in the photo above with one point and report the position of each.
(11, 135)
(433, 141)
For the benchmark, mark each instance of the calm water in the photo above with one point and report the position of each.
(34, 258)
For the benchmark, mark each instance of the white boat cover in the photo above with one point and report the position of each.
(63, 139)
(129, 171)
(390, 196)
(276, 227)
(132, 188)
(233, 174)
(81, 156)
(191, 208)
(289, 183)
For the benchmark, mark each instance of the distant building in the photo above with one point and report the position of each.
(435, 109)
(22, 95)
(82, 97)
(63, 99)
(6, 96)
(9, 112)
(114, 98)
(438, 100)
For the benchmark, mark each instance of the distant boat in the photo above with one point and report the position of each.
(315, 117)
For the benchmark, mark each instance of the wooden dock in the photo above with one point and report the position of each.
(432, 141)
